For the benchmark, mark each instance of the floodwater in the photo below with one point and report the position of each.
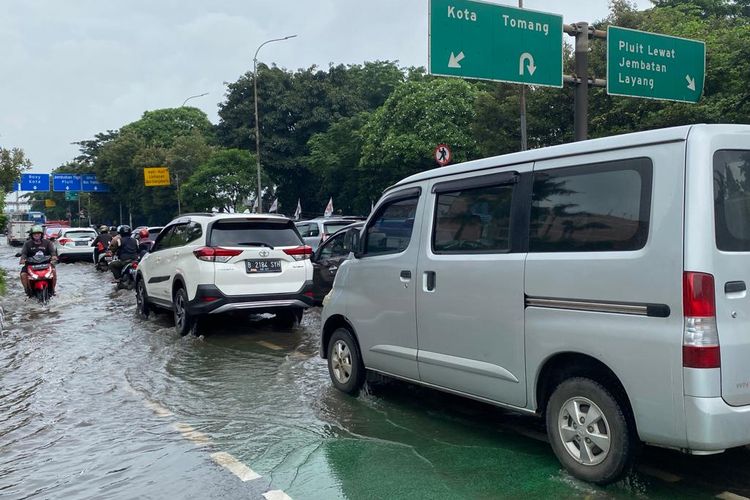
(97, 403)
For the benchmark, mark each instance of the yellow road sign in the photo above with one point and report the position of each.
(49, 203)
(156, 176)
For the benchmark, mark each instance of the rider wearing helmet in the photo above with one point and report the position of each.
(144, 242)
(125, 247)
(103, 239)
(35, 244)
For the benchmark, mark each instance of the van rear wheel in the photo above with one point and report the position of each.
(345, 362)
(589, 432)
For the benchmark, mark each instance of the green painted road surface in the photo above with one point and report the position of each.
(99, 404)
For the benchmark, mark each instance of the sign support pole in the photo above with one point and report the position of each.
(581, 116)
(524, 137)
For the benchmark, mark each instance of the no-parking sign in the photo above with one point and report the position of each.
(443, 154)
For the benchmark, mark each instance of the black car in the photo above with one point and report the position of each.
(328, 258)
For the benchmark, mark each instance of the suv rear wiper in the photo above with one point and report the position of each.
(254, 244)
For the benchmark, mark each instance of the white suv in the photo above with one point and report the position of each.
(214, 263)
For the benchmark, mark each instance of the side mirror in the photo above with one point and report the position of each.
(353, 241)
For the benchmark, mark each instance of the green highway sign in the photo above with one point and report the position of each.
(71, 195)
(473, 39)
(641, 64)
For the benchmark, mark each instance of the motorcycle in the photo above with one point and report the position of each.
(40, 271)
(127, 277)
(103, 259)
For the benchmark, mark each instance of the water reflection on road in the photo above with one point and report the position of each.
(95, 402)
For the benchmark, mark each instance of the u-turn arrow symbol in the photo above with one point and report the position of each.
(521, 66)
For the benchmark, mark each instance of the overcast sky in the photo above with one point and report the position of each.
(72, 68)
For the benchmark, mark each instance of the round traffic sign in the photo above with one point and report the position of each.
(443, 154)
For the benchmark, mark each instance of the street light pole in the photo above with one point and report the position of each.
(257, 126)
(193, 97)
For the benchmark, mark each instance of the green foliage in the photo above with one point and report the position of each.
(222, 183)
(12, 162)
(161, 127)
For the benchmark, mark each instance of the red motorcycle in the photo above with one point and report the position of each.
(40, 271)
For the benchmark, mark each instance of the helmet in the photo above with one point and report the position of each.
(112, 229)
(143, 234)
(124, 230)
(104, 229)
(36, 229)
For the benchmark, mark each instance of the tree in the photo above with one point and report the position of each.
(12, 162)
(223, 183)
(162, 126)
(400, 137)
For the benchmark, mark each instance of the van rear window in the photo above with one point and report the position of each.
(732, 200)
(254, 233)
(592, 208)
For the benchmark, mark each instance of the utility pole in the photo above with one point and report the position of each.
(524, 138)
(581, 117)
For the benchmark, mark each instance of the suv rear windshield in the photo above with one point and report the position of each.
(332, 227)
(732, 200)
(251, 233)
(80, 234)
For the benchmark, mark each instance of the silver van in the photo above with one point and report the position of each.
(601, 285)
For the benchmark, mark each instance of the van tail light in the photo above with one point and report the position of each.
(215, 254)
(700, 340)
(64, 241)
(299, 253)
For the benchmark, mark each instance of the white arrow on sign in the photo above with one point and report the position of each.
(67, 188)
(691, 82)
(454, 60)
(526, 57)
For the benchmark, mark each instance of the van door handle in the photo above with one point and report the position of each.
(405, 275)
(734, 286)
(429, 281)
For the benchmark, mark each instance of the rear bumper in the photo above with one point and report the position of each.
(713, 425)
(210, 300)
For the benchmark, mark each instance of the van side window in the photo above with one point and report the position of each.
(592, 208)
(732, 200)
(390, 230)
(473, 220)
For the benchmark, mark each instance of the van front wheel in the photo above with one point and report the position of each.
(589, 432)
(345, 362)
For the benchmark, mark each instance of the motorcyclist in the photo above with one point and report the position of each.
(105, 238)
(144, 242)
(35, 244)
(125, 247)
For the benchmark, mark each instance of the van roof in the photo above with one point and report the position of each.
(623, 141)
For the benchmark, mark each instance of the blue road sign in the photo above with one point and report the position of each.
(89, 184)
(66, 182)
(34, 182)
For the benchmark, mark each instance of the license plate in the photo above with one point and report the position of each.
(263, 266)
(81, 243)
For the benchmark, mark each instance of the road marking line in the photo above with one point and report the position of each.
(158, 409)
(276, 495)
(233, 465)
(660, 474)
(191, 434)
(728, 495)
(269, 345)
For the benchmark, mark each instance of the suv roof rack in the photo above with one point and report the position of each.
(203, 214)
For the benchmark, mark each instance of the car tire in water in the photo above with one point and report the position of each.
(183, 321)
(288, 318)
(141, 299)
(589, 431)
(345, 362)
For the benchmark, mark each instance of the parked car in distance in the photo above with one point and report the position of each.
(316, 231)
(601, 285)
(203, 264)
(74, 243)
(328, 258)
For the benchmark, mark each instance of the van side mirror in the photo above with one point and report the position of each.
(353, 241)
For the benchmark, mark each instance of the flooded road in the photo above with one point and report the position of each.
(96, 403)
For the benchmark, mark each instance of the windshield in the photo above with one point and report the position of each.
(251, 233)
(332, 227)
(732, 200)
(80, 234)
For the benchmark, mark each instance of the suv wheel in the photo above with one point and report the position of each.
(345, 362)
(589, 432)
(183, 321)
(141, 298)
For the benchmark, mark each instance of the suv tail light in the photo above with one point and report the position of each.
(64, 241)
(299, 253)
(700, 340)
(215, 254)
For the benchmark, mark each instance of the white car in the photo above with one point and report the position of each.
(205, 264)
(75, 243)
